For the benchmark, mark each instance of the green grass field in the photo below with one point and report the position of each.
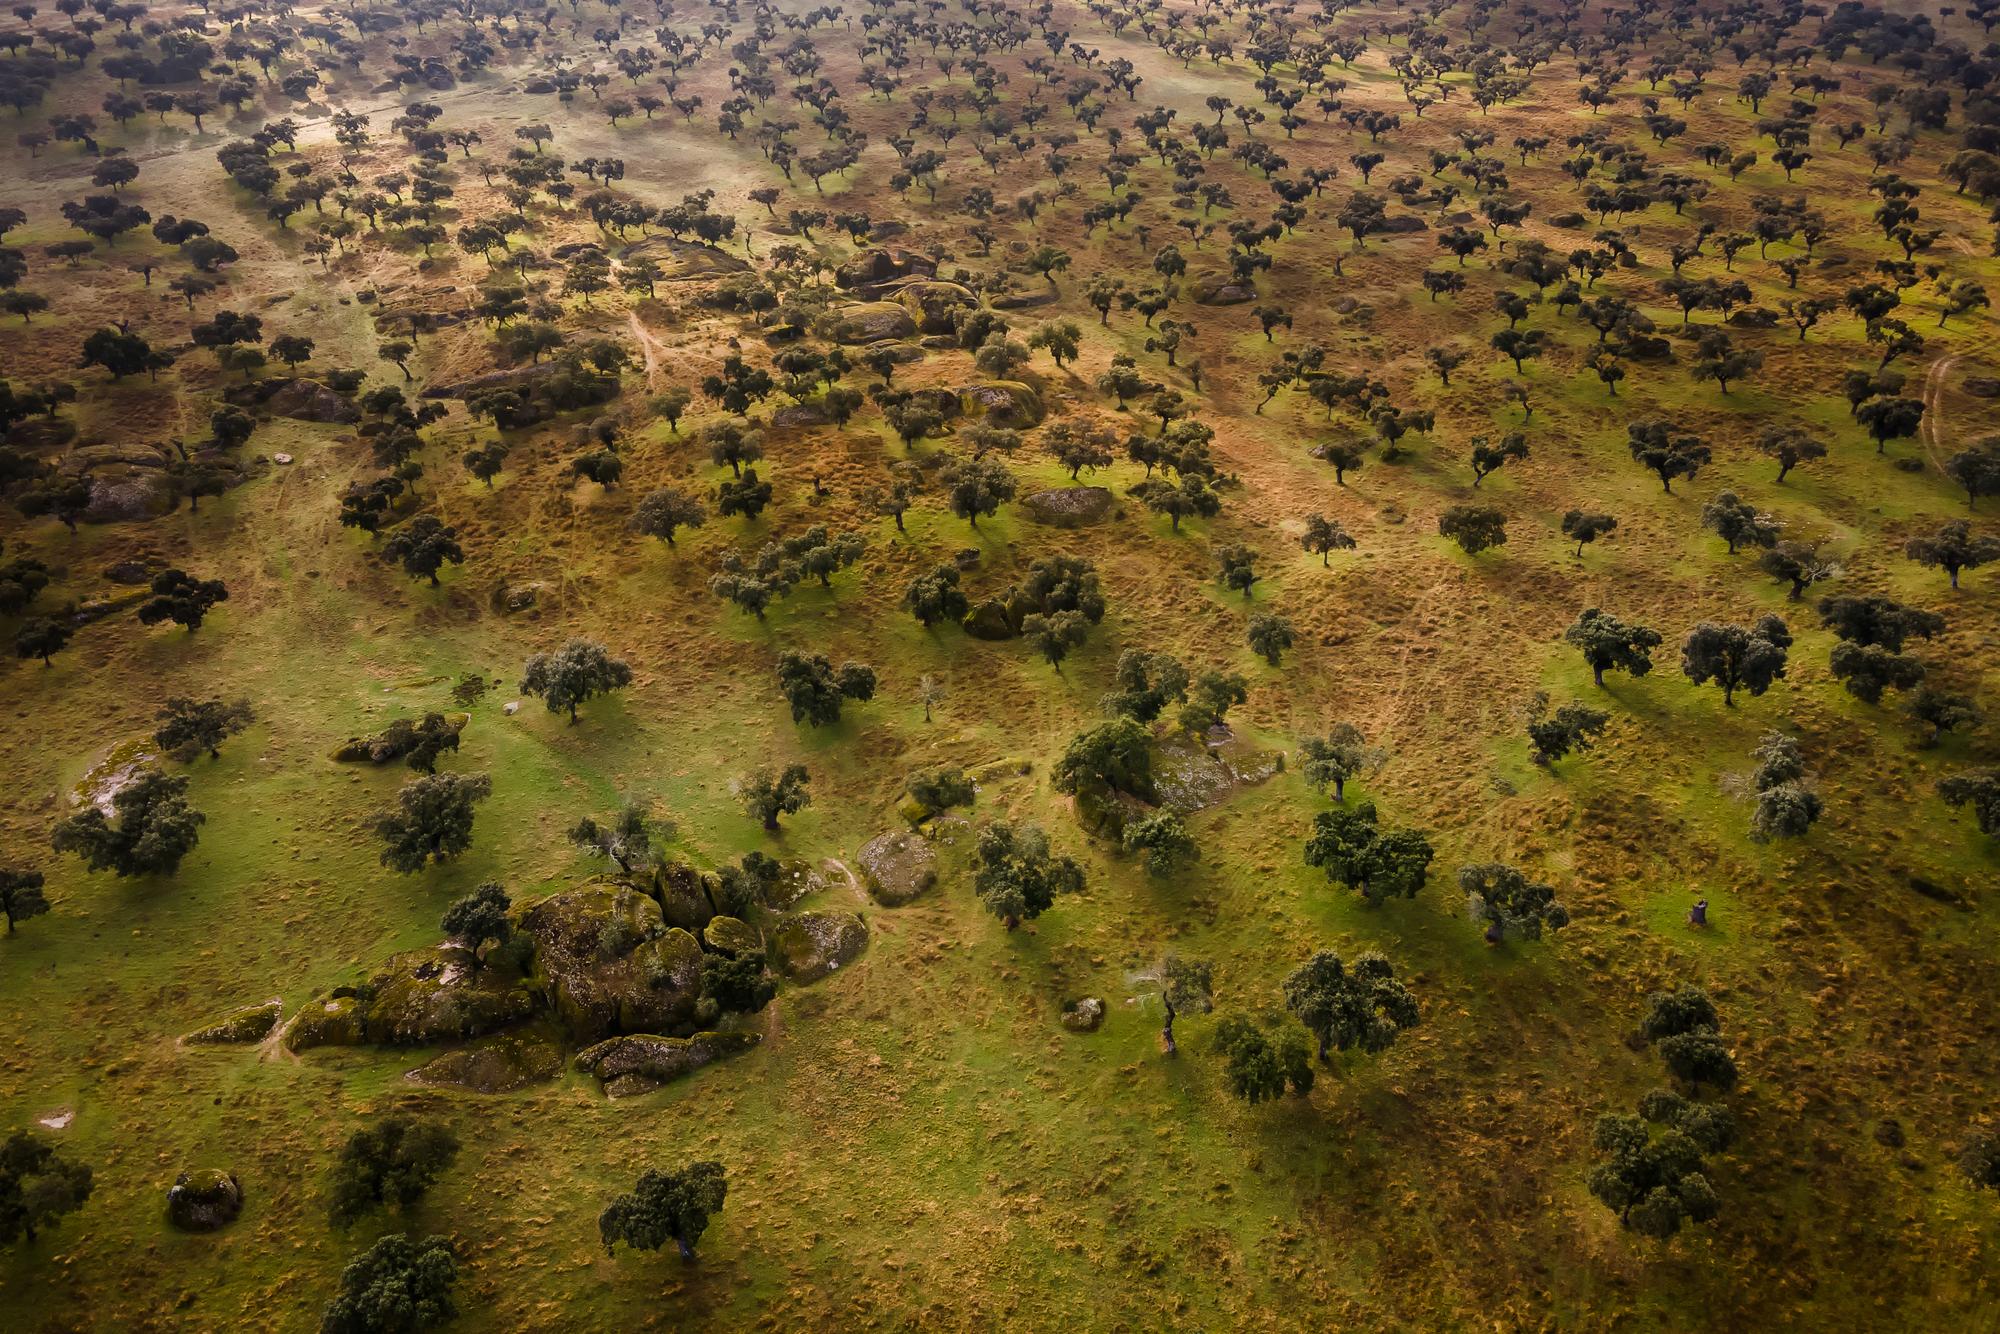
(918, 1142)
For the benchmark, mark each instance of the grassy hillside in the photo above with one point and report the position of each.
(918, 1140)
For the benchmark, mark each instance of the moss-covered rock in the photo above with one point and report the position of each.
(1068, 506)
(391, 743)
(335, 1021)
(1192, 773)
(807, 946)
(437, 995)
(418, 997)
(870, 321)
(731, 935)
(205, 1200)
(932, 302)
(1004, 403)
(1083, 1015)
(640, 1062)
(897, 866)
(989, 620)
(683, 899)
(246, 1023)
(497, 1064)
(612, 964)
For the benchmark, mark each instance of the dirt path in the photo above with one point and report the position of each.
(1932, 430)
(649, 348)
(853, 881)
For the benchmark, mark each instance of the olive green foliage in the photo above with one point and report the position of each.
(154, 828)
(665, 1207)
(38, 1185)
(389, 1165)
(1017, 876)
(1355, 851)
(1264, 1063)
(431, 820)
(1359, 1006)
(396, 1286)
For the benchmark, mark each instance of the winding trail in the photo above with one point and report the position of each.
(1931, 432)
(649, 347)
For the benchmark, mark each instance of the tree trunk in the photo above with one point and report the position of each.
(1166, 1030)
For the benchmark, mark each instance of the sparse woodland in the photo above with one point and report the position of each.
(1176, 665)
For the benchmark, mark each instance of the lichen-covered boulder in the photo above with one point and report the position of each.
(807, 946)
(246, 1023)
(641, 1062)
(932, 301)
(1220, 289)
(1083, 1015)
(871, 321)
(204, 1201)
(497, 1064)
(391, 743)
(335, 1021)
(731, 935)
(612, 964)
(874, 267)
(897, 866)
(1004, 403)
(683, 898)
(989, 620)
(1068, 506)
(438, 995)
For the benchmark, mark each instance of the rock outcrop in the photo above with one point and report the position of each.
(497, 1064)
(247, 1023)
(419, 997)
(1004, 403)
(1068, 506)
(807, 946)
(897, 866)
(612, 964)
(641, 1062)
(204, 1201)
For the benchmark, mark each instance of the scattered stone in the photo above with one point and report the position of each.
(642, 1062)
(247, 1023)
(897, 866)
(1069, 506)
(511, 599)
(204, 1201)
(281, 458)
(1083, 1016)
(511, 707)
(808, 946)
